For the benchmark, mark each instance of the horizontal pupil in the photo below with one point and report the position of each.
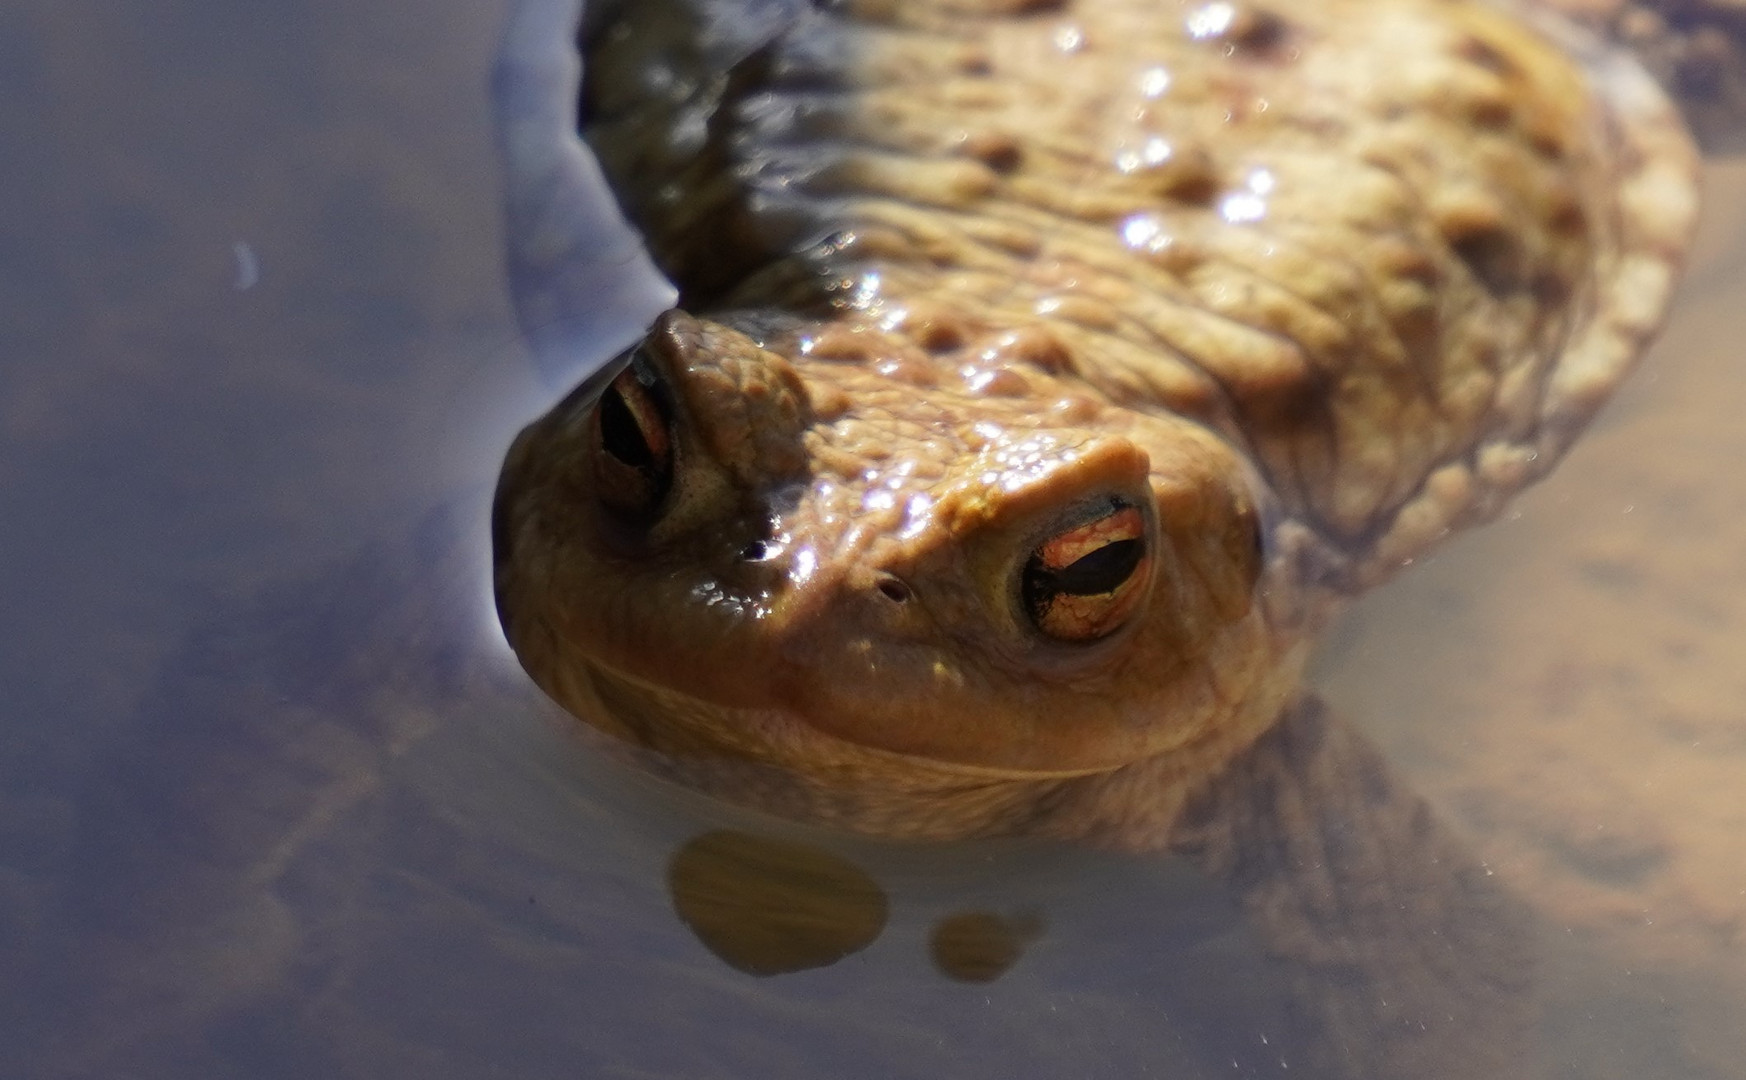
(1099, 572)
(620, 433)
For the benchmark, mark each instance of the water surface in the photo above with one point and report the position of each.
(274, 800)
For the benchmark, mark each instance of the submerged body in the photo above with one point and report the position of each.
(1052, 371)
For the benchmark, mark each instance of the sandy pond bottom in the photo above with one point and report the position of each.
(1568, 687)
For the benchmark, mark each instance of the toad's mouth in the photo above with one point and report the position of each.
(773, 760)
(676, 723)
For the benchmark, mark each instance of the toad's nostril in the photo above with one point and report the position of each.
(894, 590)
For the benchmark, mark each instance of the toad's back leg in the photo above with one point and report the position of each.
(1405, 955)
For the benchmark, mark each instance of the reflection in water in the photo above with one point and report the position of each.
(940, 510)
(771, 907)
(767, 907)
(980, 946)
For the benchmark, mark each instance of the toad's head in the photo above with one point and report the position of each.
(824, 544)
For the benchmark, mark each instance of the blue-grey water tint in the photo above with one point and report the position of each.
(275, 801)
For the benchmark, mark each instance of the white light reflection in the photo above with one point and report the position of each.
(1144, 232)
(977, 379)
(1156, 151)
(1021, 463)
(867, 290)
(1242, 208)
(1210, 20)
(917, 516)
(1251, 205)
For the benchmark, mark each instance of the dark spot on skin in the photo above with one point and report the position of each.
(1193, 188)
(1255, 32)
(1486, 55)
(1551, 289)
(1259, 30)
(997, 150)
(1548, 144)
(1298, 401)
(1492, 114)
(1417, 328)
(1569, 219)
(1036, 347)
(1494, 258)
(938, 333)
(996, 382)
(1418, 267)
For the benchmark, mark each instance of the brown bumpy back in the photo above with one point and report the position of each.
(1396, 253)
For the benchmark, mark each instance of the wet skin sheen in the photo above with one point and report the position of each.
(1048, 373)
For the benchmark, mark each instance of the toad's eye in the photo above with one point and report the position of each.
(1081, 584)
(633, 441)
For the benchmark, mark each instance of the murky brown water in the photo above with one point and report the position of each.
(274, 801)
